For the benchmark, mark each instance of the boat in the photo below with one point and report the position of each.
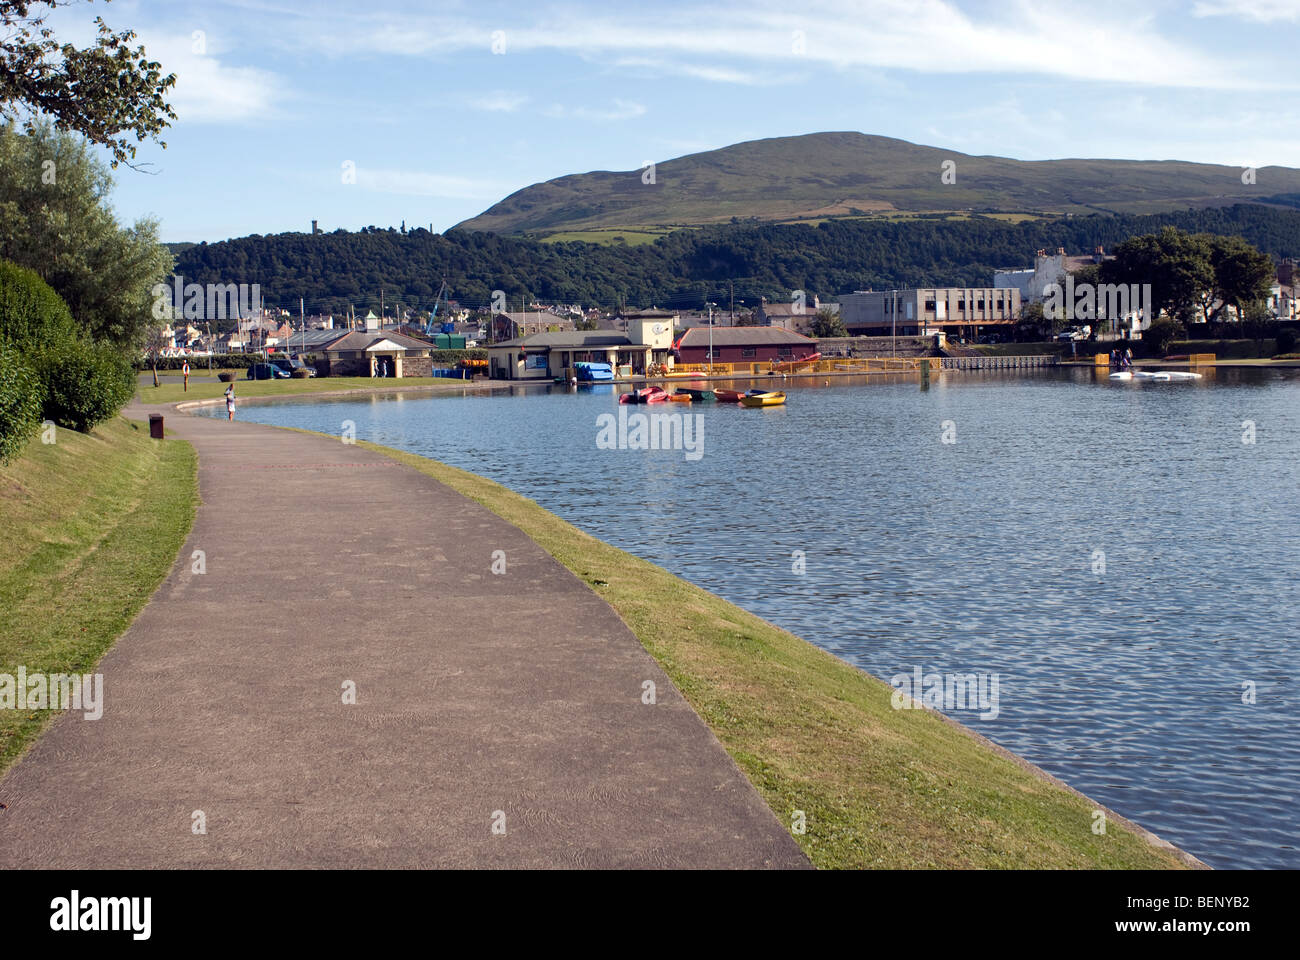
(645, 395)
(789, 365)
(727, 396)
(1166, 375)
(679, 397)
(1122, 375)
(763, 398)
(699, 396)
(590, 372)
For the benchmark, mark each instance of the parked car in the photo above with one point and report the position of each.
(266, 371)
(290, 364)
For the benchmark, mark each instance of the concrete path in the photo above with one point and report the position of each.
(475, 693)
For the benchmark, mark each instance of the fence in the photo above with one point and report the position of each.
(999, 363)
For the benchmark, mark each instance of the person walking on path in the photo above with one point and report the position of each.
(230, 402)
(185, 372)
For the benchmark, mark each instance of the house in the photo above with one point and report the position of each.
(960, 311)
(1047, 269)
(371, 353)
(742, 345)
(550, 354)
(795, 316)
(509, 326)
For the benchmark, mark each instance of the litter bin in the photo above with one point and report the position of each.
(156, 426)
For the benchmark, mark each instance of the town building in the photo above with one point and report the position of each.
(550, 354)
(742, 345)
(957, 311)
(1047, 269)
(512, 326)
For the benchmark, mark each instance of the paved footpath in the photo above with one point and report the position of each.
(475, 693)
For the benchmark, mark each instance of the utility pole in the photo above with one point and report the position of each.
(381, 306)
(732, 285)
(302, 325)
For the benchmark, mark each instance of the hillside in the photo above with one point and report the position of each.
(332, 271)
(846, 174)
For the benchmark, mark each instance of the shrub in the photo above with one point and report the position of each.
(31, 314)
(85, 384)
(20, 402)
(1161, 334)
(300, 374)
(1285, 340)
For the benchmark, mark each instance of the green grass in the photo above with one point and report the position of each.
(1059, 348)
(880, 787)
(93, 524)
(631, 236)
(175, 392)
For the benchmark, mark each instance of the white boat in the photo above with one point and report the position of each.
(1167, 375)
(1122, 375)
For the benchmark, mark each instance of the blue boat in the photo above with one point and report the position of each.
(589, 372)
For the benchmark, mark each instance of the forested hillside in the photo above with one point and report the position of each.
(684, 269)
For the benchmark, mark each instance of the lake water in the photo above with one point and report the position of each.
(1114, 553)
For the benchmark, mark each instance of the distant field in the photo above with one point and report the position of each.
(632, 237)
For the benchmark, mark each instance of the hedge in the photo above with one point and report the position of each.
(20, 402)
(31, 314)
(220, 361)
(85, 384)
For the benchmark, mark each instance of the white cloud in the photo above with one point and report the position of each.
(742, 42)
(207, 89)
(622, 110)
(1255, 11)
(421, 183)
(499, 101)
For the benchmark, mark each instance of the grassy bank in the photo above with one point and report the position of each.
(175, 392)
(92, 525)
(880, 787)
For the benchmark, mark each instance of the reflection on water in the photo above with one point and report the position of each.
(1124, 677)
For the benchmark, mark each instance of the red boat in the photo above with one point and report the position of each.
(728, 396)
(645, 395)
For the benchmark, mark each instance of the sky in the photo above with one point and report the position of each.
(375, 113)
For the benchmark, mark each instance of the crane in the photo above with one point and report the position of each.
(433, 314)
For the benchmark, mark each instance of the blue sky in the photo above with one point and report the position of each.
(274, 98)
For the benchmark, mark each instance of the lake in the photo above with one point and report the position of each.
(1120, 555)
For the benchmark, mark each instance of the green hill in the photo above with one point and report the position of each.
(851, 174)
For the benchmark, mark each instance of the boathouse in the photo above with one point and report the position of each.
(545, 356)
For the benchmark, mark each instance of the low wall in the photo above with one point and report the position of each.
(879, 346)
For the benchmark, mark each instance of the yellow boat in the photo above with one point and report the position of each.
(759, 398)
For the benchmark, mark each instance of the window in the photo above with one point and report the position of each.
(748, 352)
(786, 352)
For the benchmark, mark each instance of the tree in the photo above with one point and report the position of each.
(154, 343)
(1176, 265)
(827, 323)
(1161, 334)
(107, 92)
(1032, 323)
(56, 220)
(1242, 275)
